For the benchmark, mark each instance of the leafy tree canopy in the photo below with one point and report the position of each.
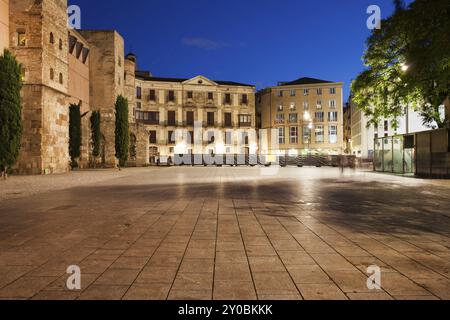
(407, 63)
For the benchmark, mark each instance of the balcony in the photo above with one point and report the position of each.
(148, 121)
(210, 124)
(228, 125)
(279, 121)
(245, 124)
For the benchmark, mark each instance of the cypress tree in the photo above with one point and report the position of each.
(95, 133)
(122, 140)
(10, 111)
(74, 134)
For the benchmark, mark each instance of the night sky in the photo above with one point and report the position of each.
(259, 42)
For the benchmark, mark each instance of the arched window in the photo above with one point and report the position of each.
(61, 78)
(52, 74)
(52, 38)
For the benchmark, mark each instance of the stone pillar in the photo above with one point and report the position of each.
(142, 147)
(107, 128)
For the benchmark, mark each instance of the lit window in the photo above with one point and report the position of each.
(281, 137)
(292, 106)
(332, 104)
(319, 104)
(306, 134)
(293, 118)
(293, 135)
(332, 132)
(280, 107)
(21, 39)
(319, 134)
(332, 116)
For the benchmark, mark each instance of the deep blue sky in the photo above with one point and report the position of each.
(251, 41)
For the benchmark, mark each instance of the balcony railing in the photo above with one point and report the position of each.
(245, 124)
(148, 121)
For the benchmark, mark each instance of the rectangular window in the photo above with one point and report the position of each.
(279, 118)
(280, 108)
(227, 98)
(292, 93)
(293, 135)
(319, 104)
(171, 97)
(191, 137)
(153, 116)
(332, 90)
(138, 92)
(210, 119)
(332, 134)
(190, 118)
(306, 134)
(305, 105)
(138, 105)
(386, 125)
(332, 116)
(21, 39)
(190, 95)
(292, 107)
(319, 116)
(228, 122)
(280, 93)
(319, 134)
(245, 99)
(281, 137)
(152, 137)
(245, 120)
(305, 92)
(293, 118)
(171, 137)
(171, 118)
(152, 95)
(210, 96)
(319, 92)
(332, 104)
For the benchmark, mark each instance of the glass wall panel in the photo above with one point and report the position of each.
(387, 154)
(397, 154)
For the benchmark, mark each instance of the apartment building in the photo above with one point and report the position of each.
(192, 116)
(363, 133)
(306, 115)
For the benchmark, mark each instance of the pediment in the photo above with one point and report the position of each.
(201, 81)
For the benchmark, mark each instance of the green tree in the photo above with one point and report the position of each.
(122, 131)
(10, 111)
(95, 133)
(407, 64)
(74, 134)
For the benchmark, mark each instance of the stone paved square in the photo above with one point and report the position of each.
(224, 233)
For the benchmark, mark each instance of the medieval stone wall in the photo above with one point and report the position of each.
(106, 83)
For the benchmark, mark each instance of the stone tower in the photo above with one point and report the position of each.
(106, 83)
(39, 39)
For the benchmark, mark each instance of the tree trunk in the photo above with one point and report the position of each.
(4, 174)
